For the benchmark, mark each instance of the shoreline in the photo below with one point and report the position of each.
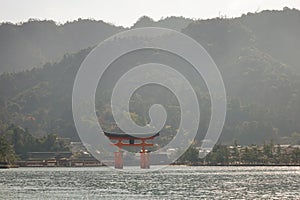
(187, 165)
(249, 165)
(8, 166)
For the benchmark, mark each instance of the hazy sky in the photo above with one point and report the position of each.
(126, 12)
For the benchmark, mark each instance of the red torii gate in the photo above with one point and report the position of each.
(142, 138)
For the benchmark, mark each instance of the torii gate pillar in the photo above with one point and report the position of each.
(119, 160)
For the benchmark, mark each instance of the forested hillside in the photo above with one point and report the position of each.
(257, 54)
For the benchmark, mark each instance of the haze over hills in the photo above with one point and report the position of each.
(34, 43)
(257, 54)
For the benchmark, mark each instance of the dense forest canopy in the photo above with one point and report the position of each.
(257, 54)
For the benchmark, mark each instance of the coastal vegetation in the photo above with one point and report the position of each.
(16, 142)
(266, 154)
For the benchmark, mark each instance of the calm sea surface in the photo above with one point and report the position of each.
(174, 182)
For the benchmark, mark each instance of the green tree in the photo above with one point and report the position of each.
(190, 156)
(7, 153)
(296, 156)
(219, 155)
